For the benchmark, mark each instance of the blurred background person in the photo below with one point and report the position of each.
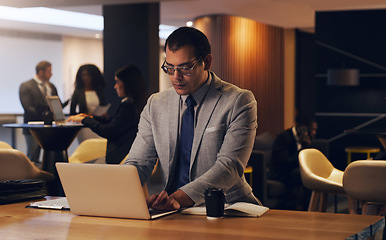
(88, 95)
(284, 165)
(33, 95)
(121, 129)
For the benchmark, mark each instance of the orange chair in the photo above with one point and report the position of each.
(4, 145)
(15, 165)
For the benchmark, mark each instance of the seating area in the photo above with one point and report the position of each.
(15, 165)
(333, 190)
(320, 176)
(328, 184)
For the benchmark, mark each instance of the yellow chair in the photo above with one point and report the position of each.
(365, 180)
(319, 175)
(249, 170)
(88, 150)
(15, 165)
(366, 150)
(4, 145)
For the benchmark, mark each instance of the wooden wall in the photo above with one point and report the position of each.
(250, 55)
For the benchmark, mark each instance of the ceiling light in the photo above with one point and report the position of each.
(189, 23)
(51, 16)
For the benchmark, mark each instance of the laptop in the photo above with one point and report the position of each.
(105, 190)
(57, 111)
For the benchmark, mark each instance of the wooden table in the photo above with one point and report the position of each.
(18, 222)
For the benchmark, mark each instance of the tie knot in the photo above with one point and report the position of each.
(190, 101)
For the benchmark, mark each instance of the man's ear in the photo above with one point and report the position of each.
(207, 61)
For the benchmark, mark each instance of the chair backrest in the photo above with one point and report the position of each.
(365, 180)
(88, 150)
(314, 161)
(318, 173)
(15, 165)
(4, 145)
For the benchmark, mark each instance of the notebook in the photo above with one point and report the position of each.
(57, 111)
(105, 190)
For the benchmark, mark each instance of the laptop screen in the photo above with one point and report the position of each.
(56, 108)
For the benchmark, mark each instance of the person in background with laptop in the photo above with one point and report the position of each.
(88, 95)
(33, 95)
(201, 131)
(284, 164)
(120, 130)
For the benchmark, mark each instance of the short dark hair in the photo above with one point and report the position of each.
(97, 80)
(43, 65)
(305, 121)
(188, 36)
(134, 84)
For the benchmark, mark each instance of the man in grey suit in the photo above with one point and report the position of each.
(32, 95)
(225, 122)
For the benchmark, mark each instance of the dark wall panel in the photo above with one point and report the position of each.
(131, 36)
(350, 39)
(305, 74)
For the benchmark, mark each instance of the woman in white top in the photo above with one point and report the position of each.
(88, 95)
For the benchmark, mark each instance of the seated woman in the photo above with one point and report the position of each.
(120, 130)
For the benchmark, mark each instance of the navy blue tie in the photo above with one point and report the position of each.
(186, 141)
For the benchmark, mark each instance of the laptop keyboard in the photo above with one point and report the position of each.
(156, 211)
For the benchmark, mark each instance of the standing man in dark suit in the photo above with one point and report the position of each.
(33, 98)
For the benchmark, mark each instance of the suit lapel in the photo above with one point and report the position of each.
(39, 93)
(173, 109)
(211, 99)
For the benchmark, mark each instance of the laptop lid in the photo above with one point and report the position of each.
(103, 190)
(56, 109)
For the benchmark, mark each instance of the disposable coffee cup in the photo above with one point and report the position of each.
(214, 202)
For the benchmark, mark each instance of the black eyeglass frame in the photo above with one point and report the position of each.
(179, 68)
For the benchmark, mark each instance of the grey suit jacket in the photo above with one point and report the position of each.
(223, 140)
(33, 101)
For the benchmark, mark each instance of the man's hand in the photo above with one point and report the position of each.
(175, 201)
(304, 137)
(162, 201)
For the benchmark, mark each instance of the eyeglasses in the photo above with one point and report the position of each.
(180, 69)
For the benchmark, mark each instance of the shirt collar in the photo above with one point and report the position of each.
(295, 133)
(298, 144)
(201, 92)
(36, 78)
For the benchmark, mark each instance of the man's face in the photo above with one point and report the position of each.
(184, 57)
(45, 75)
(312, 129)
